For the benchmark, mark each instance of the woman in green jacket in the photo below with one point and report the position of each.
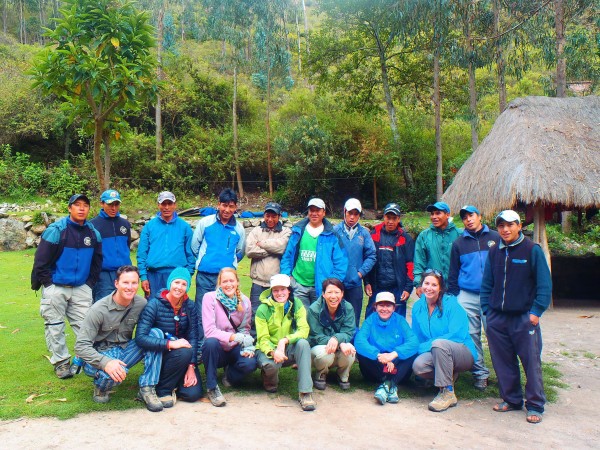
(281, 332)
(332, 327)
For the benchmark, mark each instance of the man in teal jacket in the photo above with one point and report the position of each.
(434, 245)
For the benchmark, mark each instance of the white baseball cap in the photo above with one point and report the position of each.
(353, 203)
(508, 215)
(316, 202)
(280, 279)
(385, 297)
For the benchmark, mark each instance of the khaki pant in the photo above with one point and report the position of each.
(323, 361)
(58, 303)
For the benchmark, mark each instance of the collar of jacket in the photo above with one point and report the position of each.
(75, 224)
(175, 216)
(277, 228)
(445, 230)
(106, 216)
(325, 317)
(231, 221)
(484, 230)
(327, 226)
(517, 241)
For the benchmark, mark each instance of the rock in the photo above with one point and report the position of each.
(31, 240)
(26, 219)
(38, 229)
(123, 216)
(247, 224)
(134, 235)
(28, 226)
(134, 245)
(3, 215)
(45, 218)
(12, 235)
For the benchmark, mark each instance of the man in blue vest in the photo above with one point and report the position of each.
(116, 237)
(515, 291)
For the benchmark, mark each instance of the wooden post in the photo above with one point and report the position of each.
(540, 237)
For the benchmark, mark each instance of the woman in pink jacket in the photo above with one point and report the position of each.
(226, 318)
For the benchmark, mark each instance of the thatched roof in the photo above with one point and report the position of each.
(540, 149)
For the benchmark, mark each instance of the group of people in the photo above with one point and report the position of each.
(305, 303)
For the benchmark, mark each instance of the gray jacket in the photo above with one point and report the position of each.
(265, 247)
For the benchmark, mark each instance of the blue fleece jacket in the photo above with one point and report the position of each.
(331, 258)
(378, 336)
(516, 279)
(453, 324)
(467, 260)
(69, 254)
(116, 237)
(216, 245)
(360, 251)
(165, 245)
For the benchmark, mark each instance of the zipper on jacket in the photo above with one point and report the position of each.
(504, 281)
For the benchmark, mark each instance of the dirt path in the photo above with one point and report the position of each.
(353, 420)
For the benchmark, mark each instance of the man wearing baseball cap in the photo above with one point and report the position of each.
(116, 237)
(313, 253)
(165, 243)
(393, 271)
(265, 245)
(515, 291)
(67, 264)
(361, 254)
(434, 244)
(467, 261)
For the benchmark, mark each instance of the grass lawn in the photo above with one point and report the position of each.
(29, 388)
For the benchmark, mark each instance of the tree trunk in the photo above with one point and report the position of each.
(539, 233)
(98, 126)
(106, 142)
(306, 27)
(298, 35)
(500, 63)
(268, 125)
(439, 183)
(236, 150)
(375, 205)
(472, 89)
(67, 143)
(159, 75)
(22, 30)
(561, 61)
(5, 16)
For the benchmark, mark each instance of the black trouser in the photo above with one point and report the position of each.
(372, 370)
(172, 374)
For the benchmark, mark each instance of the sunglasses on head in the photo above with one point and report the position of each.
(436, 272)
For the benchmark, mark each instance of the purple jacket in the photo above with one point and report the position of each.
(217, 325)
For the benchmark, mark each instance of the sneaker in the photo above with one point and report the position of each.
(100, 396)
(168, 401)
(147, 394)
(481, 384)
(76, 366)
(393, 394)
(381, 394)
(63, 370)
(306, 401)
(269, 383)
(444, 400)
(319, 382)
(215, 397)
(344, 385)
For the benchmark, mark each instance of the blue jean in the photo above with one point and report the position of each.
(130, 355)
(214, 356)
(255, 292)
(355, 297)
(158, 280)
(306, 294)
(205, 282)
(105, 285)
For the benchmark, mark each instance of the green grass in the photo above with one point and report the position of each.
(29, 388)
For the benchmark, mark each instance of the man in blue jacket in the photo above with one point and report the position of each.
(67, 264)
(361, 254)
(165, 243)
(393, 271)
(116, 237)
(313, 253)
(467, 261)
(515, 291)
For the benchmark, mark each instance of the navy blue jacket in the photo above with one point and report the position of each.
(69, 254)
(361, 253)
(116, 237)
(159, 313)
(403, 251)
(516, 279)
(467, 260)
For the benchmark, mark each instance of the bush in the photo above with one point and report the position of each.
(64, 181)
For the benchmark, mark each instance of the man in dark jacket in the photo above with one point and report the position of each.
(393, 271)
(67, 264)
(515, 292)
(467, 261)
(116, 237)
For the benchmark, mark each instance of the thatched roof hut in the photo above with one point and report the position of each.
(540, 151)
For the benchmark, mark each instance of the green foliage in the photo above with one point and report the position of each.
(18, 176)
(65, 181)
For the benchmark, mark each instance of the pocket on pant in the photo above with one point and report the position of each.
(47, 309)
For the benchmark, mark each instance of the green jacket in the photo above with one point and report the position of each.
(272, 324)
(322, 327)
(432, 250)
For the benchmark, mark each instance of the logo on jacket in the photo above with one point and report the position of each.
(491, 243)
(123, 230)
(87, 241)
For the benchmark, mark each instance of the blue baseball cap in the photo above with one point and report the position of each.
(110, 196)
(439, 206)
(76, 197)
(392, 208)
(273, 207)
(468, 209)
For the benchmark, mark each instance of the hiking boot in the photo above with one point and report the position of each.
(147, 394)
(100, 396)
(393, 394)
(269, 383)
(306, 401)
(344, 385)
(381, 394)
(319, 382)
(168, 401)
(63, 370)
(444, 400)
(215, 397)
(481, 384)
